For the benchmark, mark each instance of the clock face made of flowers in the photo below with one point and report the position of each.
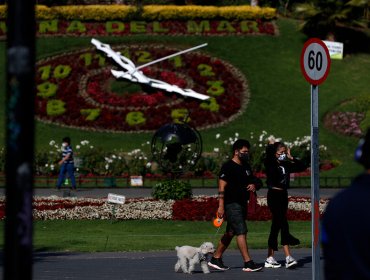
(77, 89)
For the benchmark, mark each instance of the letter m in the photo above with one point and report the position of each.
(202, 26)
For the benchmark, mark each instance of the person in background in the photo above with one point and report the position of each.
(66, 164)
(345, 234)
(235, 183)
(279, 164)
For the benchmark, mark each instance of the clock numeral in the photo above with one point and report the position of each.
(216, 88)
(125, 52)
(180, 115)
(210, 105)
(91, 114)
(143, 56)
(46, 90)
(135, 118)
(60, 72)
(88, 59)
(55, 107)
(177, 61)
(205, 70)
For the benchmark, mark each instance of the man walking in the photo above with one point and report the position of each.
(236, 181)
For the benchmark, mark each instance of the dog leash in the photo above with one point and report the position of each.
(217, 222)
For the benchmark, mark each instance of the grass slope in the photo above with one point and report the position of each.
(280, 96)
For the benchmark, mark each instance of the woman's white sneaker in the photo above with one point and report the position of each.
(270, 262)
(290, 262)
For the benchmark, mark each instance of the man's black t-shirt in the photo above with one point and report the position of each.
(238, 177)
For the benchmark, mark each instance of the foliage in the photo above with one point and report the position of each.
(323, 17)
(93, 160)
(300, 147)
(138, 162)
(350, 118)
(258, 58)
(149, 12)
(172, 189)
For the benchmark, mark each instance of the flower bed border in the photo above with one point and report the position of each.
(199, 208)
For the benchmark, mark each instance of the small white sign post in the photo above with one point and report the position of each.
(116, 199)
(315, 66)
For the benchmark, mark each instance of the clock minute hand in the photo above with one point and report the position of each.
(171, 55)
(174, 88)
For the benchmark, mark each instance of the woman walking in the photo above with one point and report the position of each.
(279, 163)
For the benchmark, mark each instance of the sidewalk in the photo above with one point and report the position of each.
(158, 266)
(145, 192)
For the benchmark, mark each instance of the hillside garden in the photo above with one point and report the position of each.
(262, 93)
(266, 92)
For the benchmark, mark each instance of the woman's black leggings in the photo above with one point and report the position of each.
(277, 201)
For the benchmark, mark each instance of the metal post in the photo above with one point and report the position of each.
(315, 183)
(20, 87)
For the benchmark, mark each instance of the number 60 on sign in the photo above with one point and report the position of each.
(315, 61)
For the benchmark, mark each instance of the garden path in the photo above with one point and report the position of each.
(157, 265)
(146, 192)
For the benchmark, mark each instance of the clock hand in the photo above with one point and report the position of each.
(171, 55)
(173, 88)
(121, 60)
(137, 76)
(134, 75)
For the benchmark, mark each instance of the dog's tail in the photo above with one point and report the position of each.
(177, 248)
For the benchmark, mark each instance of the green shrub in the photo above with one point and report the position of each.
(172, 189)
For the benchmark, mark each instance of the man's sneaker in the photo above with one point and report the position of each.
(218, 264)
(251, 266)
(272, 263)
(290, 262)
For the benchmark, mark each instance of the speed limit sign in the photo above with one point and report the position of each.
(315, 61)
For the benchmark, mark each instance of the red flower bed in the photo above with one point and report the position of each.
(205, 210)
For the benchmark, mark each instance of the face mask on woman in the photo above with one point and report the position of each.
(282, 157)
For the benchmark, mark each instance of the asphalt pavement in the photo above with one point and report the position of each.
(146, 192)
(158, 266)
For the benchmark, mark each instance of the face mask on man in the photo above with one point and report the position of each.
(282, 157)
(64, 145)
(244, 157)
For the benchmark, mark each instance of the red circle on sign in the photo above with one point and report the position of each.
(326, 56)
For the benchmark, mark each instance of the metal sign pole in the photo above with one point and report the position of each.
(315, 214)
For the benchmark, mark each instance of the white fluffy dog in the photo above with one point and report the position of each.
(189, 256)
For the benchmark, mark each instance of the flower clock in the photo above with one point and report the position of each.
(77, 89)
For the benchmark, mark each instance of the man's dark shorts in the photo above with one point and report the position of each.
(235, 216)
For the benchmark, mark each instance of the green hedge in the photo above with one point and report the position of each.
(149, 12)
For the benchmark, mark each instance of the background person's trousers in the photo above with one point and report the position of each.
(277, 201)
(69, 169)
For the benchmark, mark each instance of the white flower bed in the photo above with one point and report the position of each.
(57, 208)
(298, 203)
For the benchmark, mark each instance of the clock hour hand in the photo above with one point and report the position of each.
(137, 76)
(121, 60)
